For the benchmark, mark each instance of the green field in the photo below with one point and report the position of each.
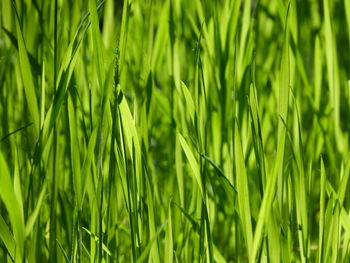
(170, 131)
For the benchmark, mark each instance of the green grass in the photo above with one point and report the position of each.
(174, 131)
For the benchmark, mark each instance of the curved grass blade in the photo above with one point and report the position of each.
(33, 217)
(192, 161)
(229, 188)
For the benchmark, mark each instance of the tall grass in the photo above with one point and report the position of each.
(174, 131)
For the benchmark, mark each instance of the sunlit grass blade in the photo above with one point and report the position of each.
(144, 254)
(154, 250)
(192, 161)
(169, 245)
(243, 191)
(13, 208)
(322, 212)
(34, 216)
(74, 151)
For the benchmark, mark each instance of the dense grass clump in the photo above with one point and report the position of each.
(174, 131)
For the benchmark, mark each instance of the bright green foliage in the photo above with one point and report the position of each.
(174, 131)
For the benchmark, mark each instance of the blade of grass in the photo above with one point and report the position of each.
(13, 208)
(322, 212)
(192, 161)
(243, 191)
(27, 76)
(7, 238)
